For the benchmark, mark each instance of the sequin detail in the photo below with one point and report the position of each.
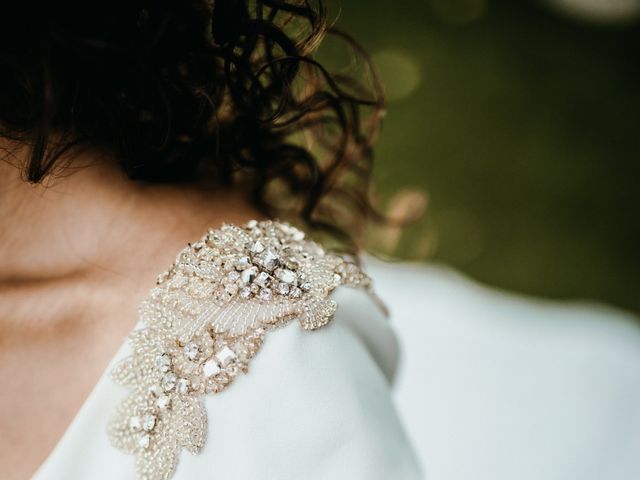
(205, 320)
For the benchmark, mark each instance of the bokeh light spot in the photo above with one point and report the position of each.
(399, 71)
(609, 11)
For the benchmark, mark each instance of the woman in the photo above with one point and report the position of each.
(133, 131)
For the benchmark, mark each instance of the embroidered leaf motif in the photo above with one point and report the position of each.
(203, 323)
(191, 424)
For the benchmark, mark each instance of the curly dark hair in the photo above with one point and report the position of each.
(185, 90)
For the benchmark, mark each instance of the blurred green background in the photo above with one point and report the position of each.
(520, 122)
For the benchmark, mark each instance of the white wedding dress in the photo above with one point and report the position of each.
(315, 404)
(490, 387)
(497, 386)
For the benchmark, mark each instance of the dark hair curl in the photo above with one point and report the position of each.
(185, 90)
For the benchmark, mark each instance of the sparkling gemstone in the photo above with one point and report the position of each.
(257, 247)
(286, 276)
(144, 441)
(262, 279)
(149, 422)
(191, 350)
(182, 385)
(135, 423)
(249, 274)
(252, 224)
(168, 381)
(306, 286)
(232, 338)
(163, 402)
(210, 368)
(265, 294)
(269, 260)
(292, 263)
(163, 362)
(298, 235)
(225, 356)
(155, 390)
(243, 263)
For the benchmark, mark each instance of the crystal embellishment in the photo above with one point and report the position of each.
(203, 323)
(211, 368)
(148, 423)
(225, 356)
(191, 350)
(144, 441)
(287, 276)
(163, 362)
(163, 402)
(182, 385)
(269, 260)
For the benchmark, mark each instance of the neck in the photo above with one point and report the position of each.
(94, 224)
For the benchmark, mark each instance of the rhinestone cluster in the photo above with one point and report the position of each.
(265, 268)
(203, 323)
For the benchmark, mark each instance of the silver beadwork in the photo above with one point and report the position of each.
(203, 323)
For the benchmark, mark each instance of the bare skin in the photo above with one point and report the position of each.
(76, 258)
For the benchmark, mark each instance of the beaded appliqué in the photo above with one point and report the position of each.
(205, 320)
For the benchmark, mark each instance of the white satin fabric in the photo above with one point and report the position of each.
(497, 386)
(492, 386)
(314, 405)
